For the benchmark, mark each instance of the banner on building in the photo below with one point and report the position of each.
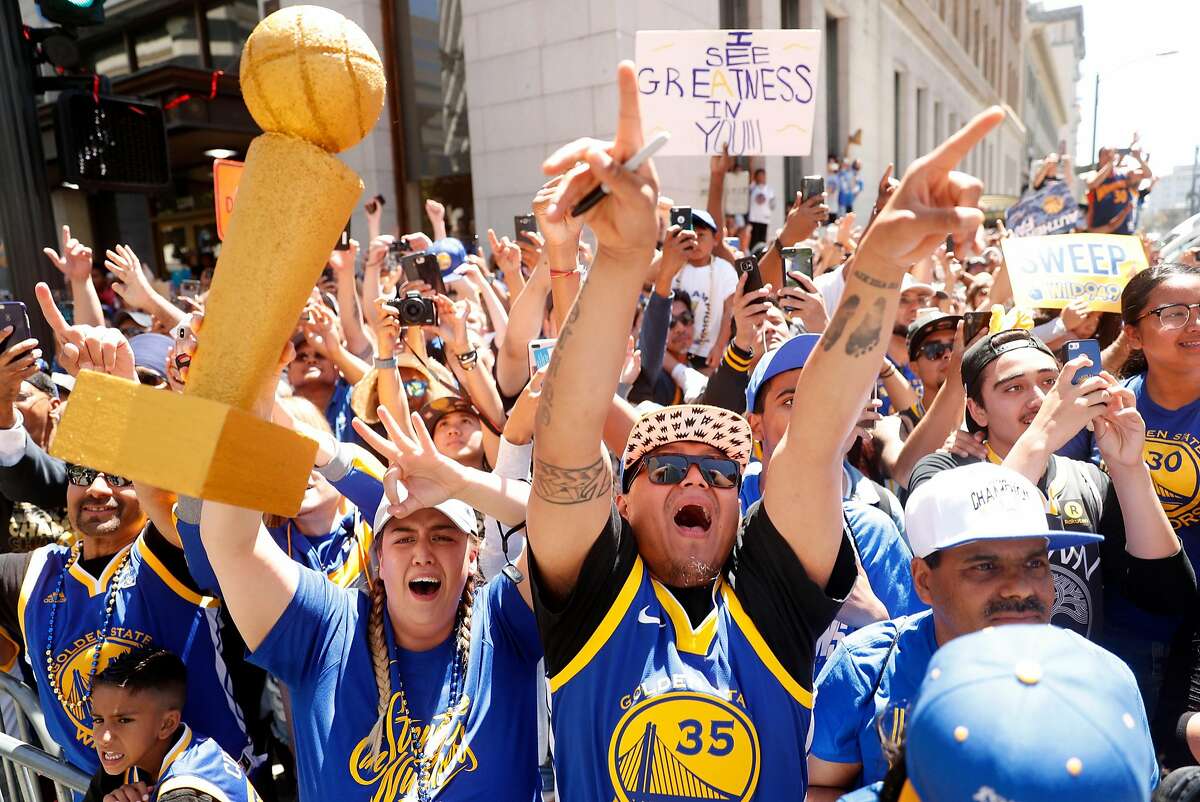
(754, 91)
(1049, 210)
(1051, 272)
(227, 174)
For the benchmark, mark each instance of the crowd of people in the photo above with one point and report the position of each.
(782, 531)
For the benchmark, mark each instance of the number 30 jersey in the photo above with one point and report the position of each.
(648, 705)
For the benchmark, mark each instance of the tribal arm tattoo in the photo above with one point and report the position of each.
(567, 486)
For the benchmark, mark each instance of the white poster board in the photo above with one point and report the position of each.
(753, 90)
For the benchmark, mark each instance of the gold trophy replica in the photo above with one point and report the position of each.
(315, 85)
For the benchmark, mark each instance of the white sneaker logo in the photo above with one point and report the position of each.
(644, 618)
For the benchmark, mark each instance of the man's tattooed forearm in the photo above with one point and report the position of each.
(837, 326)
(866, 336)
(874, 282)
(559, 485)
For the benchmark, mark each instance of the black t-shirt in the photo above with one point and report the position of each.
(787, 607)
(1082, 498)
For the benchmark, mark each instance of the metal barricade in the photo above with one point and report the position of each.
(22, 761)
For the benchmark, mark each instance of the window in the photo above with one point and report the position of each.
(229, 25)
(172, 41)
(833, 129)
(735, 14)
(898, 121)
(922, 122)
(939, 122)
(789, 13)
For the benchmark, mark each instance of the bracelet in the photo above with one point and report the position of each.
(891, 372)
(563, 273)
(385, 364)
(468, 360)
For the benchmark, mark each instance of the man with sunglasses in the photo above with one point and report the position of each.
(679, 636)
(930, 343)
(1028, 409)
(119, 585)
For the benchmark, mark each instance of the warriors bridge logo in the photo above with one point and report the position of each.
(684, 746)
(1174, 462)
(442, 742)
(73, 667)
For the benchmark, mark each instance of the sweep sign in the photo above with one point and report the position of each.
(226, 176)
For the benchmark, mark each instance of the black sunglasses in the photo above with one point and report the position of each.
(685, 319)
(936, 350)
(670, 469)
(84, 477)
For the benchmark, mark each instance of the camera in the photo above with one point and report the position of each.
(416, 310)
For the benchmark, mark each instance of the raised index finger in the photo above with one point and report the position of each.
(629, 114)
(948, 154)
(49, 309)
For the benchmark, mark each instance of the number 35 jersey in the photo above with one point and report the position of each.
(693, 693)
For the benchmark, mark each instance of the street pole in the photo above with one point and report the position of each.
(1095, 117)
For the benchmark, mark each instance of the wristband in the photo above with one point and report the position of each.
(385, 364)
(890, 373)
(468, 360)
(563, 273)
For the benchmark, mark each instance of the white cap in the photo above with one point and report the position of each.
(909, 283)
(980, 502)
(460, 514)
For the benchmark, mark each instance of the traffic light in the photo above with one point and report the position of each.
(75, 13)
(111, 143)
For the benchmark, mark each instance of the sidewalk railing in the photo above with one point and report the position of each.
(22, 762)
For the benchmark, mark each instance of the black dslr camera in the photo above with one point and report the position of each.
(415, 310)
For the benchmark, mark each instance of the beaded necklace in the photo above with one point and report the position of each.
(76, 708)
(416, 749)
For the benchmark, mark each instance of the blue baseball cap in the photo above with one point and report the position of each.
(1029, 712)
(703, 218)
(789, 356)
(150, 353)
(452, 248)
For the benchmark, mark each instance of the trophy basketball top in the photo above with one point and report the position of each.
(311, 73)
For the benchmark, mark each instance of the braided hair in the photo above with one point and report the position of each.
(377, 642)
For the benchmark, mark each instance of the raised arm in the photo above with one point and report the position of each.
(931, 202)
(349, 309)
(135, 289)
(572, 478)
(75, 263)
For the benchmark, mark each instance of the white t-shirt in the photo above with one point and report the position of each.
(716, 280)
(832, 285)
(762, 198)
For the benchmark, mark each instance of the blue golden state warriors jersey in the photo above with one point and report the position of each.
(653, 709)
(152, 608)
(198, 763)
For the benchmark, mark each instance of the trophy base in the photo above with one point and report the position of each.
(187, 445)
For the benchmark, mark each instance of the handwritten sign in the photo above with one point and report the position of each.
(227, 174)
(1050, 272)
(754, 91)
(1049, 210)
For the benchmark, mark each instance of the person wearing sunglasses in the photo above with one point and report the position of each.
(678, 635)
(930, 343)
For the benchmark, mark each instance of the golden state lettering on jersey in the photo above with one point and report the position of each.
(394, 769)
(1174, 462)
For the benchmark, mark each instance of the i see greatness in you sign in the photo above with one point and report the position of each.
(754, 91)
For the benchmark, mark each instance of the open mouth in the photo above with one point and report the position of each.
(693, 520)
(112, 757)
(182, 362)
(424, 587)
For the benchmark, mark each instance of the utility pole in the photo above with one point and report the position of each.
(1194, 195)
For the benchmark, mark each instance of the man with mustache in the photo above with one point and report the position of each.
(980, 541)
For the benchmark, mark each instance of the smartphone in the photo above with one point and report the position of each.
(950, 244)
(681, 216)
(798, 258)
(374, 203)
(812, 186)
(973, 323)
(343, 243)
(524, 223)
(749, 266)
(13, 313)
(399, 246)
(1090, 347)
(423, 267)
(189, 288)
(539, 354)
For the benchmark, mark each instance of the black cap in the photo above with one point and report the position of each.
(1181, 785)
(992, 347)
(924, 325)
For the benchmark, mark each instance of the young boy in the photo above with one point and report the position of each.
(146, 751)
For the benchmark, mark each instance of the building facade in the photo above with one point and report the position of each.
(481, 91)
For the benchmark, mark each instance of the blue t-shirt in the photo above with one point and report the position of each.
(319, 649)
(339, 414)
(869, 683)
(197, 763)
(1109, 199)
(886, 560)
